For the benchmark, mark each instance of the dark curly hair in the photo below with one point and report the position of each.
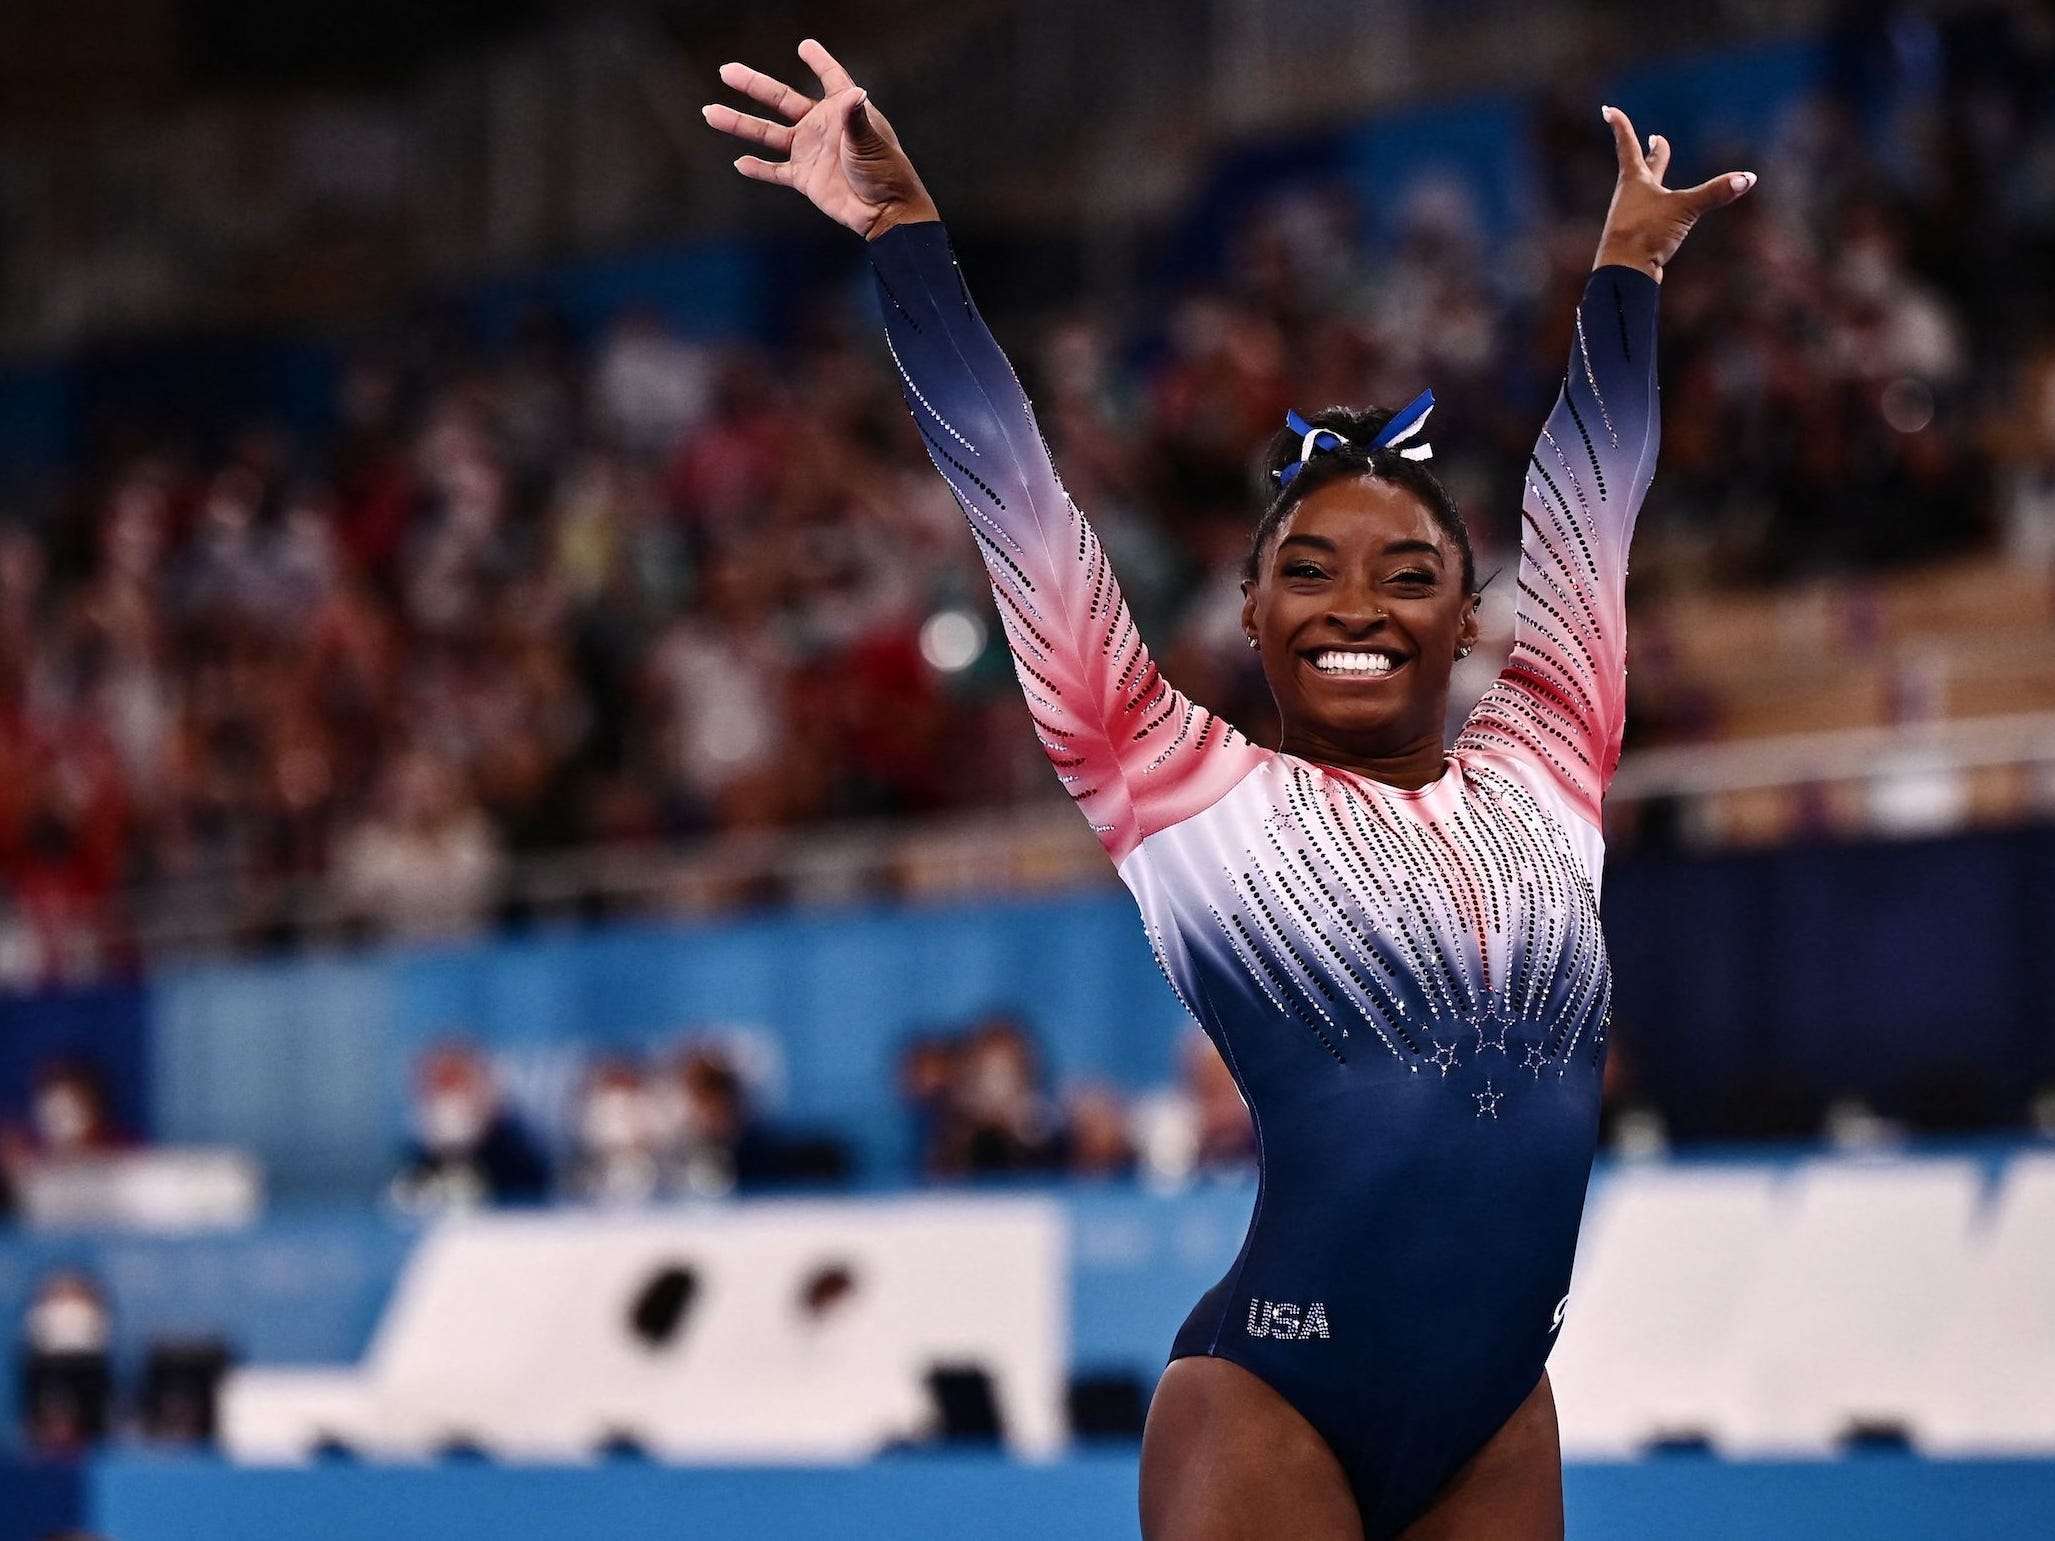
(1353, 459)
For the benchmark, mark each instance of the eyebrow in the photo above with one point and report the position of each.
(1397, 547)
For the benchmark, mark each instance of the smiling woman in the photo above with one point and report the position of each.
(1364, 583)
(1394, 945)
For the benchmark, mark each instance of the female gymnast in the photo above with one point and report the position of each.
(1394, 944)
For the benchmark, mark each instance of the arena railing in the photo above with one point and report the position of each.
(1868, 783)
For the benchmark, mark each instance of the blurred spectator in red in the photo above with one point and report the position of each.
(64, 824)
(469, 1149)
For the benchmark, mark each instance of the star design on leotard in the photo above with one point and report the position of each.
(1444, 1056)
(1493, 1018)
(1536, 1057)
(1487, 1100)
(1283, 821)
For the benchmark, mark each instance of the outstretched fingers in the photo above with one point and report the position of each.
(1625, 145)
(1717, 193)
(760, 170)
(833, 77)
(767, 90)
(772, 136)
(1658, 156)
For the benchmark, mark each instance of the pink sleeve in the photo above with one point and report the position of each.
(1135, 754)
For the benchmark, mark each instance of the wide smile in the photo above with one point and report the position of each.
(1355, 666)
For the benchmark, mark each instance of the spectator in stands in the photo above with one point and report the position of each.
(427, 862)
(67, 1383)
(69, 1117)
(617, 1159)
(995, 1119)
(649, 387)
(2023, 442)
(469, 1149)
(1096, 1138)
(927, 1068)
(718, 1143)
(1200, 1125)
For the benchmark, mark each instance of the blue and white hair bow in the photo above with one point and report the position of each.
(1406, 422)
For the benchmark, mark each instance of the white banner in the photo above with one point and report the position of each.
(802, 1331)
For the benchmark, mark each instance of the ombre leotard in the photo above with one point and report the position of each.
(1410, 987)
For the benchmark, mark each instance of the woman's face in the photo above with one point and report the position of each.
(1359, 608)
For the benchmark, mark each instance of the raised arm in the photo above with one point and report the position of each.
(1136, 755)
(1560, 703)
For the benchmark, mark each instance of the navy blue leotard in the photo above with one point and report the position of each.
(1410, 987)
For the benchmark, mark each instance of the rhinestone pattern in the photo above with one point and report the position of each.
(1315, 921)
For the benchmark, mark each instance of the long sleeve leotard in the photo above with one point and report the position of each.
(1410, 987)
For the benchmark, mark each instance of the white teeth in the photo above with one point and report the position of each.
(1336, 661)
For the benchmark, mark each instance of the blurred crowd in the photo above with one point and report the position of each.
(700, 1122)
(550, 597)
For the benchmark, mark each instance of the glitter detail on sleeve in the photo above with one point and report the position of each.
(1135, 754)
(1559, 706)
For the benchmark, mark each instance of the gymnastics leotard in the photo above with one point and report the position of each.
(1409, 987)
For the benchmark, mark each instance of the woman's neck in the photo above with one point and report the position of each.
(1410, 767)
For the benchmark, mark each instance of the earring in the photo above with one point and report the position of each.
(1254, 643)
(1462, 652)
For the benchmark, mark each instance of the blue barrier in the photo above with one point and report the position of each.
(39, 1498)
(1874, 1498)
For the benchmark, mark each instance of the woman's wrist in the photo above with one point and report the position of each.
(1615, 252)
(913, 211)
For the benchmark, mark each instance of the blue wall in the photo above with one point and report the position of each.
(307, 1063)
(1915, 973)
(1749, 985)
(107, 1026)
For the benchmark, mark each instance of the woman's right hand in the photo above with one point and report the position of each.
(839, 151)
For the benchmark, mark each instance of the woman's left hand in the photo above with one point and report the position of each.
(1647, 221)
